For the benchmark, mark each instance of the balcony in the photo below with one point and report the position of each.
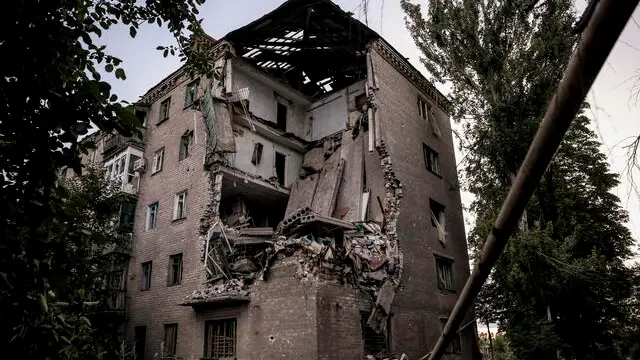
(123, 245)
(116, 300)
(117, 142)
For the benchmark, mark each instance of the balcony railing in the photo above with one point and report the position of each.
(124, 245)
(116, 300)
(116, 142)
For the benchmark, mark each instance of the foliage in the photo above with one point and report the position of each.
(497, 349)
(560, 287)
(55, 291)
(51, 95)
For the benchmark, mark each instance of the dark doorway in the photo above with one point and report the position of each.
(280, 165)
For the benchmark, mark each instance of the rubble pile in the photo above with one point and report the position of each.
(364, 253)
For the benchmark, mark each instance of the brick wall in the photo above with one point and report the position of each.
(419, 303)
(158, 306)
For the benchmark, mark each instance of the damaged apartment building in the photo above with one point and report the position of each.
(302, 203)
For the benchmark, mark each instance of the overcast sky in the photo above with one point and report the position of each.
(615, 110)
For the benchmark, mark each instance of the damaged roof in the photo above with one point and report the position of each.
(312, 45)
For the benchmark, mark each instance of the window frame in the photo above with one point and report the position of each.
(281, 125)
(455, 346)
(145, 278)
(438, 216)
(174, 340)
(442, 281)
(431, 160)
(208, 352)
(177, 279)
(283, 156)
(423, 107)
(176, 203)
(158, 164)
(155, 206)
(164, 113)
(191, 87)
(184, 150)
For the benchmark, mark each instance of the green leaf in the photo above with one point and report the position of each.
(165, 52)
(108, 68)
(120, 74)
(113, 98)
(43, 303)
(132, 31)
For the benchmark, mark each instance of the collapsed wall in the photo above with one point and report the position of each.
(340, 218)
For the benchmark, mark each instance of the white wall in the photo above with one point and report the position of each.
(263, 102)
(241, 160)
(330, 114)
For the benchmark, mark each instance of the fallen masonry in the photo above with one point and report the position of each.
(364, 253)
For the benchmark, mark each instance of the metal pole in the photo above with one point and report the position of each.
(606, 24)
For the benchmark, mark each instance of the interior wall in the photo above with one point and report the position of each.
(263, 102)
(241, 159)
(331, 113)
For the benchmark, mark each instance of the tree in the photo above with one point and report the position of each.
(560, 286)
(51, 95)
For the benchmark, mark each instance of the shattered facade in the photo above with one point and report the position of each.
(296, 190)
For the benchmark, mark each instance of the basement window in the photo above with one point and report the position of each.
(281, 117)
(374, 343)
(431, 159)
(438, 220)
(280, 167)
(257, 153)
(444, 270)
(455, 346)
(220, 339)
(170, 340)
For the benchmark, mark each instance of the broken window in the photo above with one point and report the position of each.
(140, 336)
(145, 279)
(422, 107)
(142, 117)
(444, 269)
(374, 342)
(281, 117)
(158, 160)
(190, 93)
(433, 122)
(454, 347)
(185, 145)
(361, 102)
(175, 270)
(127, 216)
(431, 159)
(152, 216)
(257, 153)
(220, 339)
(180, 205)
(170, 340)
(438, 220)
(280, 167)
(164, 110)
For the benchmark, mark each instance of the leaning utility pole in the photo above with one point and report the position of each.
(603, 29)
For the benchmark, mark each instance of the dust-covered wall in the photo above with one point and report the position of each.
(245, 141)
(331, 113)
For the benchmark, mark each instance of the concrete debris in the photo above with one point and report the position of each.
(365, 254)
(379, 357)
(313, 160)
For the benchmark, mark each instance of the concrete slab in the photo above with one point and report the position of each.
(374, 175)
(350, 190)
(324, 200)
(302, 193)
(313, 160)
(224, 131)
